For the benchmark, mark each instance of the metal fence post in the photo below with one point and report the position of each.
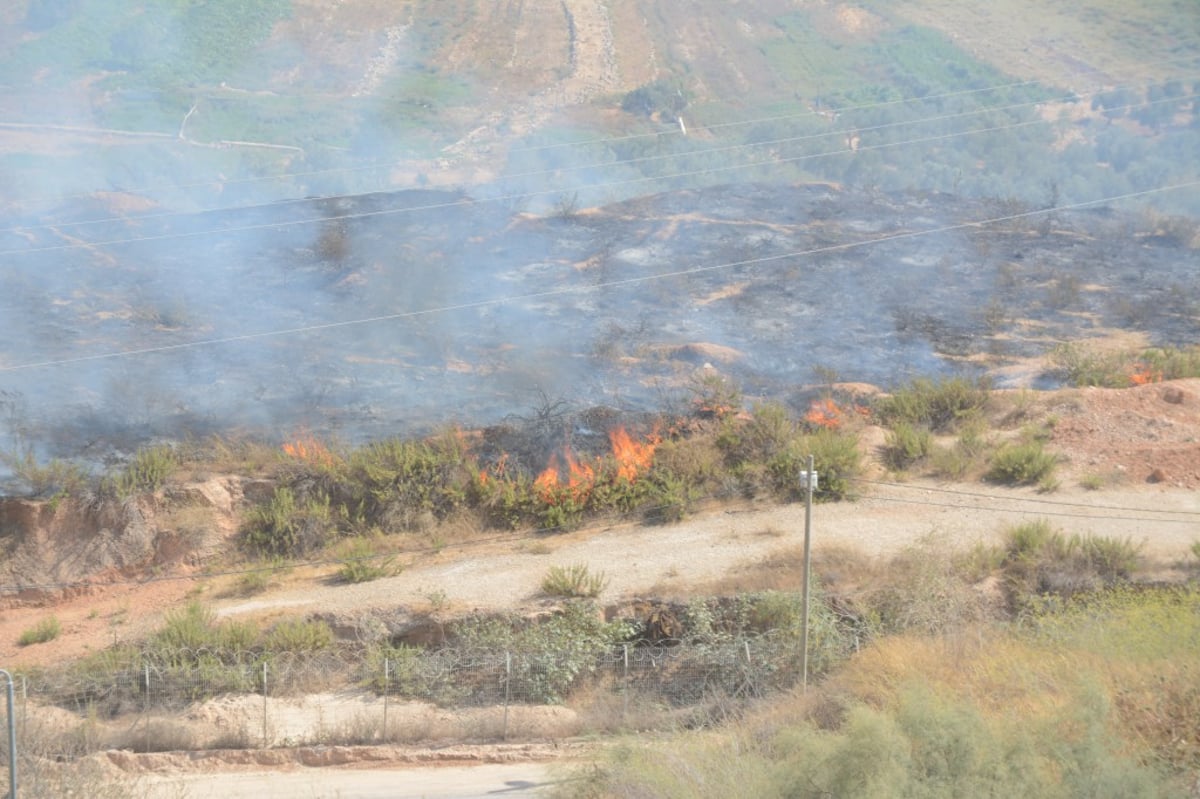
(266, 742)
(625, 685)
(12, 736)
(146, 707)
(386, 693)
(507, 692)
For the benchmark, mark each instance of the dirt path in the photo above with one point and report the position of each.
(516, 780)
(673, 560)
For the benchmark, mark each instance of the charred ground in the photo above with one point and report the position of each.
(398, 312)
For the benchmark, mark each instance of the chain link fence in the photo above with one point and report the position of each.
(220, 699)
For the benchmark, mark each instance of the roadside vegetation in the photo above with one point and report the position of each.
(874, 720)
(1079, 365)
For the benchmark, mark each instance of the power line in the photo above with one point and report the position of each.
(616, 519)
(1032, 500)
(595, 286)
(666, 133)
(1031, 512)
(772, 161)
(615, 164)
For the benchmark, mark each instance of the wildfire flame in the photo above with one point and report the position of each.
(498, 470)
(580, 477)
(632, 457)
(824, 413)
(310, 450)
(828, 414)
(1143, 374)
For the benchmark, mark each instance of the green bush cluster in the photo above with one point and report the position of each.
(574, 581)
(555, 653)
(405, 485)
(54, 478)
(906, 445)
(1041, 562)
(1021, 463)
(45, 630)
(148, 470)
(934, 405)
(769, 450)
(362, 564)
(288, 526)
(926, 745)
(1080, 365)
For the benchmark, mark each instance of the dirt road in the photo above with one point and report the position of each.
(673, 559)
(515, 780)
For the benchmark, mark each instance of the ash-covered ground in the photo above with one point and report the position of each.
(392, 313)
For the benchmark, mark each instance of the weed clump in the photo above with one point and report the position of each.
(44, 631)
(574, 581)
(1041, 563)
(1023, 463)
(937, 406)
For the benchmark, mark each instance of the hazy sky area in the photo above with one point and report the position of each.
(267, 216)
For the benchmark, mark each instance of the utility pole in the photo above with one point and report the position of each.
(808, 480)
(12, 737)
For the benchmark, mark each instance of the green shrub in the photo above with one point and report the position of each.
(288, 527)
(396, 483)
(1023, 463)
(661, 96)
(926, 743)
(1079, 365)
(56, 477)
(575, 580)
(714, 395)
(298, 636)
(148, 470)
(937, 406)
(669, 499)
(1172, 364)
(254, 582)
(905, 445)
(191, 635)
(1041, 561)
(555, 653)
(45, 630)
(836, 458)
(361, 565)
(259, 579)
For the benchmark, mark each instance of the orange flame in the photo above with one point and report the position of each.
(1143, 374)
(309, 450)
(580, 478)
(824, 413)
(632, 458)
(498, 470)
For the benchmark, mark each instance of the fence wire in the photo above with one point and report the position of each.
(144, 693)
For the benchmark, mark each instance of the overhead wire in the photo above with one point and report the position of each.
(619, 163)
(1031, 500)
(596, 523)
(493, 301)
(669, 132)
(1025, 512)
(771, 161)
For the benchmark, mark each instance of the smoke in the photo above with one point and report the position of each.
(389, 257)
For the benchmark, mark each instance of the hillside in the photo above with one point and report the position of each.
(386, 383)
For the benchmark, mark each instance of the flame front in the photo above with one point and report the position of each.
(824, 413)
(310, 450)
(1143, 374)
(632, 458)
